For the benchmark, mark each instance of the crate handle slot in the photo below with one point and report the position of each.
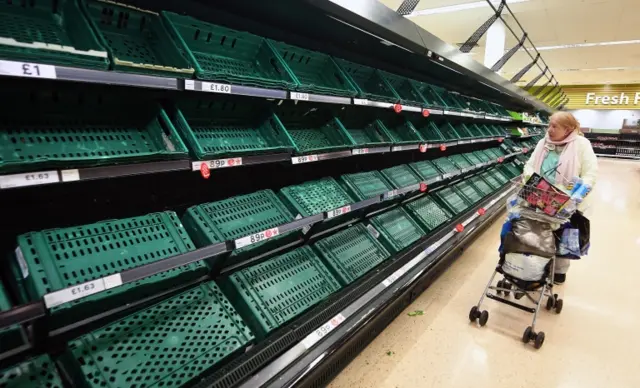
(275, 66)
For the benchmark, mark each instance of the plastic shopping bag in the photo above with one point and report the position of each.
(569, 244)
(525, 266)
(530, 236)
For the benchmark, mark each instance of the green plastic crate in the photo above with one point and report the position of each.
(60, 129)
(238, 217)
(404, 88)
(472, 158)
(426, 170)
(136, 39)
(499, 176)
(10, 337)
(167, 344)
(455, 202)
(481, 129)
(428, 130)
(315, 197)
(229, 127)
(368, 82)
(365, 185)
(314, 71)
(430, 95)
(495, 152)
(491, 155)
(496, 130)
(53, 259)
(401, 130)
(53, 32)
(482, 156)
(481, 185)
(401, 176)
(313, 130)
(428, 213)
(39, 372)
(510, 170)
(463, 131)
(448, 132)
(491, 180)
(450, 99)
(397, 229)
(365, 129)
(270, 294)
(222, 54)
(469, 191)
(475, 131)
(351, 253)
(460, 161)
(446, 166)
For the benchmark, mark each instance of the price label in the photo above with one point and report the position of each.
(447, 175)
(392, 193)
(322, 331)
(373, 231)
(70, 175)
(222, 163)
(216, 88)
(338, 212)
(26, 69)
(256, 237)
(300, 96)
(403, 148)
(81, 290)
(189, 84)
(22, 263)
(304, 159)
(360, 151)
(360, 101)
(29, 179)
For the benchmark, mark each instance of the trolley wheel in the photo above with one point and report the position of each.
(539, 340)
(500, 284)
(474, 314)
(526, 337)
(559, 304)
(507, 285)
(484, 317)
(551, 302)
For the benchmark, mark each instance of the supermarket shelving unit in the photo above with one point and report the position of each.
(202, 152)
(625, 146)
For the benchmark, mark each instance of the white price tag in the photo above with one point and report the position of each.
(256, 237)
(447, 175)
(300, 96)
(360, 101)
(373, 231)
(29, 179)
(304, 159)
(338, 212)
(322, 331)
(222, 163)
(78, 291)
(26, 69)
(360, 151)
(392, 193)
(216, 88)
(70, 175)
(22, 263)
(189, 84)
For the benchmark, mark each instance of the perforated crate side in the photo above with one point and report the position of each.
(430, 96)
(272, 293)
(397, 229)
(404, 89)
(368, 81)
(453, 200)
(491, 180)
(366, 131)
(482, 156)
(315, 197)
(167, 344)
(472, 158)
(351, 253)
(365, 185)
(481, 185)
(460, 161)
(401, 176)
(425, 169)
(38, 372)
(428, 130)
(469, 192)
(401, 130)
(445, 165)
(428, 213)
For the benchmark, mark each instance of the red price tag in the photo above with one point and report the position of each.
(425, 113)
(204, 170)
(397, 108)
(500, 140)
(525, 150)
(423, 187)
(481, 211)
(459, 228)
(423, 148)
(500, 159)
(443, 147)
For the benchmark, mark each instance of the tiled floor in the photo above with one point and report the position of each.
(594, 342)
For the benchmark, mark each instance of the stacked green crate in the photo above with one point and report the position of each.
(238, 217)
(217, 127)
(222, 54)
(449, 99)
(426, 170)
(57, 258)
(510, 170)
(270, 294)
(315, 72)
(448, 132)
(428, 130)
(401, 176)
(473, 158)
(491, 180)
(460, 161)
(481, 185)
(404, 88)
(136, 39)
(315, 197)
(396, 229)
(469, 191)
(446, 166)
(351, 253)
(10, 337)
(482, 156)
(43, 128)
(171, 342)
(490, 155)
(495, 130)
(428, 213)
(430, 94)
(365, 185)
(365, 129)
(463, 131)
(401, 130)
(313, 130)
(368, 81)
(477, 131)
(54, 32)
(499, 176)
(454, 201)
(37, 372)
(496, 152)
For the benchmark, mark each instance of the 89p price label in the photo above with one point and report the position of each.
(339, 211)
(256, 237)
(304, 159)
(222, 163)
(322, 331)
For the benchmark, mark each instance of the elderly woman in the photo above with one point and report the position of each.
(561, 156)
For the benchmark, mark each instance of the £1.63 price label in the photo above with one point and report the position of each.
(339, 211)
(256, 237)
(29, 179)
(304, 159)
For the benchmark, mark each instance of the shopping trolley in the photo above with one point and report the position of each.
(537, 200)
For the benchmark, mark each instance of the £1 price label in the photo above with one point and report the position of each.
(339, 211)
(25, 69)
(256, 237)
(222, 163)
(304, 159)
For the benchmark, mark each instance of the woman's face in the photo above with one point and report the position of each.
(556, 131)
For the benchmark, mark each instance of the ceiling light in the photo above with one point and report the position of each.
(577, 45)
(459, 7)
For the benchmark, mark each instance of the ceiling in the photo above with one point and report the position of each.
(552, 23)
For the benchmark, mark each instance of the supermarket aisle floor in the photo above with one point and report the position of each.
(592, 343)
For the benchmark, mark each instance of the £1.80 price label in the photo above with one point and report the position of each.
(304, 159)
(256, 237)
(216, 88)
(300, 96)
(339, 211)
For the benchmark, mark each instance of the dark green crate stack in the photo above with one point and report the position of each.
(65, 129)
(57, 258)
(428, 130)
(351, 253)
(510, 170)
(368, 82)
(167, 344)
(315, 72)
(481, 185)
(401, 130)
(10, 337)
(428, 213)
(238, 217)
(460, 161)
(313, 130)
(401, 176)
(315, 197)
(455, 202)
(270, 294)
(469, 191)
(495, 130)
(223, 127)
(397, 229)
(222, 54)
(426, 170)
(482, 156)
(365, 185)
(463, 131)
(365, 129)
(37, 372)
(491, 180)
(446, 166)
(450, 99)
(136, 40)
(473, 158)
(404, 88)
(482, 129)
(448, 132)
(498, 175)
(429, 94)
(495, 152)
(54, 32)
(475, 131)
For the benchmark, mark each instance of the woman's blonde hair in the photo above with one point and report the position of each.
(567, 120)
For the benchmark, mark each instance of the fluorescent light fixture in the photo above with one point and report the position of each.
(595, 44)
(459, 7)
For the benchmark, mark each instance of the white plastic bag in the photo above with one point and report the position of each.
(525, 266)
